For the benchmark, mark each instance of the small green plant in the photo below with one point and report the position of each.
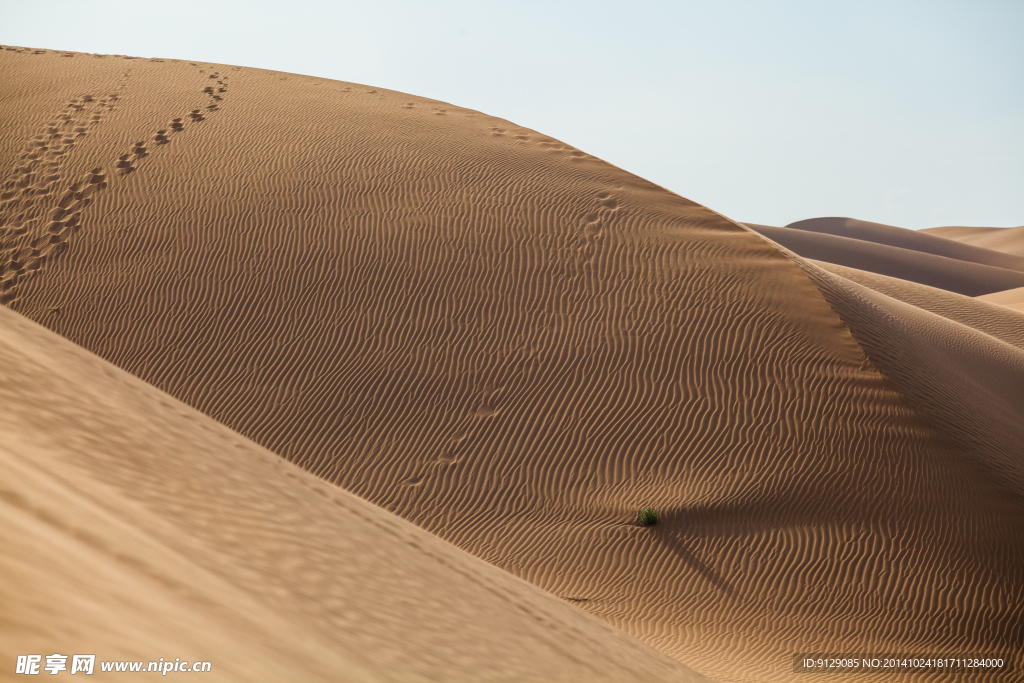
(648, 516)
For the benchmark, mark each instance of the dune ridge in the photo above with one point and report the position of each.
(514, 345)
(977, 399)
(979, 313)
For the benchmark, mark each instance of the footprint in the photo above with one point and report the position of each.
(124, 164)
(98, 177)
(161, 137)
(177, 125)
(67, 198)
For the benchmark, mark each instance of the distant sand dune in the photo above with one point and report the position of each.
(1007, 240)
(956, 275)
(924, 241)
(515, 346)
(1011, 298)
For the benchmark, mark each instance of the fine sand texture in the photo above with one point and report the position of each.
(1007, 240)
(136, 528)
(515, 346)
(1011, 298)
(962, 276)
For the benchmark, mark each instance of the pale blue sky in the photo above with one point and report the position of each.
(909, 113)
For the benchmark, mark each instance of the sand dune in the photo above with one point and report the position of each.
(515, 346)
(924, 241)
(136, 528)
(1007, 240)
(954, 275)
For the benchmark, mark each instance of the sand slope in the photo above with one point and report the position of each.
(956, 275)
(136, 528)
(513, 345)
(967, 383)
(1007, 240)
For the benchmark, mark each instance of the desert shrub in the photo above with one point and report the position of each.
(648, 516)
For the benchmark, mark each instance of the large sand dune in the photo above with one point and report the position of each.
(515, 345)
